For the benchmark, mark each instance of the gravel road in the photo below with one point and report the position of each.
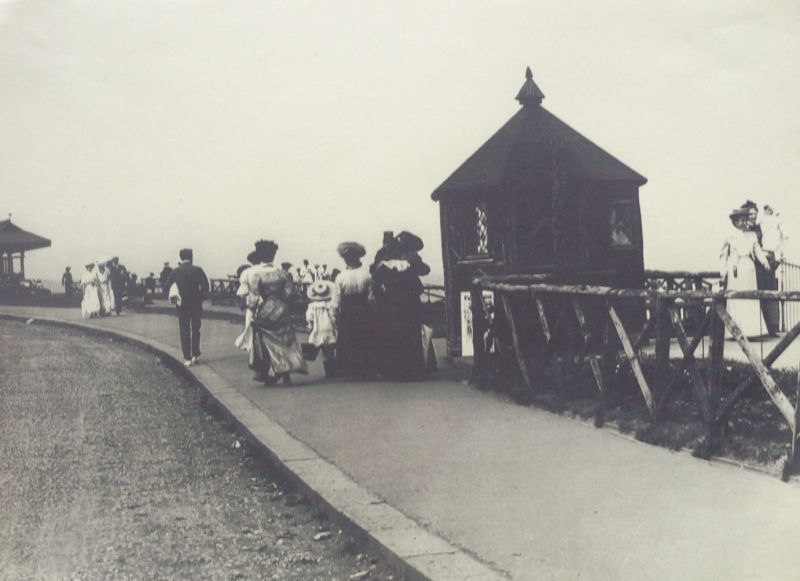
(110, 468)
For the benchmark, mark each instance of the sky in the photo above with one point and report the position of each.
(137, 127)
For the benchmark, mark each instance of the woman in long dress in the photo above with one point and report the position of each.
(107, 304)
(398, 310)
(739, 255)
(90, 305)
(355, 356)
(275, 351)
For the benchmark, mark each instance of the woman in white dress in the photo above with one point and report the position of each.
(739, 255)
(107, 304)
(90, 305)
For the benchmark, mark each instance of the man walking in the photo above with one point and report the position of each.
(164, 277)
(116, 277)
(66, 280)
(193, 287)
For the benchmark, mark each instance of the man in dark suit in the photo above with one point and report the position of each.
(193, 287)
(116, 276)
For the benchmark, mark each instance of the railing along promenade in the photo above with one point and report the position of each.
(555, 325)
(223, 292)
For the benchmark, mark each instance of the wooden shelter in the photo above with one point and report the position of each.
(14, 242)
(538, 197)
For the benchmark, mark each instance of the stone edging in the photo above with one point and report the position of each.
(413, 551)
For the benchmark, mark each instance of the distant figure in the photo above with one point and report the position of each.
(275, 351)
(739, 255)
(116, 275)
(193, 287)
(355, 328)
(104, 291)
(306, 276)
(66, 281)
(150, 284)
(321, 318)
(90, 305)
(166, 272)
(398, 310)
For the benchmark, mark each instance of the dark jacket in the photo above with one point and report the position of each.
(192, 285)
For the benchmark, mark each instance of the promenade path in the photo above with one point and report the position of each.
(533, 494)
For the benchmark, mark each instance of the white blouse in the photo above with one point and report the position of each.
(354, 281)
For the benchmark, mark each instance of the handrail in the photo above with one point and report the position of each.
(591, 324)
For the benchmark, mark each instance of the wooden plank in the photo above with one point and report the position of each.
(772, 357)
(581, 316)
(690, 362)
(644, 334)
(523, 367)
(542, 317)
(776, 395)
(633, 359)
(597, 371)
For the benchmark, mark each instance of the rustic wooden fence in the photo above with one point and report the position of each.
(549, 325)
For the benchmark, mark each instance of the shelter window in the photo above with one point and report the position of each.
(469, 228)
(622, 223)
(482, 230)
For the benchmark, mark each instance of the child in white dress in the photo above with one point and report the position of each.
(321, 317)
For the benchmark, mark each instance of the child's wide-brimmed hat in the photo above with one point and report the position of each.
(351, 250)
(322, 290)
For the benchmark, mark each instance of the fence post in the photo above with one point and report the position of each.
(609, 357)
(663, 338)
(478, 331)
(715, 367)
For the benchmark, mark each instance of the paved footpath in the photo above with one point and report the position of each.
(530, 493)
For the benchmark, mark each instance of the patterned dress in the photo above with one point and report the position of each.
(275, 348)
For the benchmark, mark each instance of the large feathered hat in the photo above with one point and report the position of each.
(264, 252)
(351, 250)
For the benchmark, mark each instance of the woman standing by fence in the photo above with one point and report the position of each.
(739, 255)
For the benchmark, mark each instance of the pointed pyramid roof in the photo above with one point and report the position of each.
(15, 239)
(520, 154)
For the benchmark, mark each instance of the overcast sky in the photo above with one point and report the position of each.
(136, 127)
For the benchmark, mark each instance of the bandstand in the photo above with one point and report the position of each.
(14, 243)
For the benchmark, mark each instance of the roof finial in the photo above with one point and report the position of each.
(529, 94)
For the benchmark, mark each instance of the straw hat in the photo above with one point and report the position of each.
(321, 290)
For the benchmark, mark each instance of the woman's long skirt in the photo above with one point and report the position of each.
(399, 327)
(90, 305)
(745, 312)
(355, 352)
(275, 348)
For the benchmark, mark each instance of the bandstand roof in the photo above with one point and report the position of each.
(522, 152)
(15, 239)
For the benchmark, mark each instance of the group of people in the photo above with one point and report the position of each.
(750, 259)
(104, 284)
(366, 322)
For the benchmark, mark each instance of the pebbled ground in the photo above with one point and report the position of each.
(110, 468)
